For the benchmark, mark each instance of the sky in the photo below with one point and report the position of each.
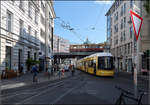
(86, 18)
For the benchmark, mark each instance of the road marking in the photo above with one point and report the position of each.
(60, 97)
(27, 99)
(9, 86)
(16, 93)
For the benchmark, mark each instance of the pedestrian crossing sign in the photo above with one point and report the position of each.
(137, 23)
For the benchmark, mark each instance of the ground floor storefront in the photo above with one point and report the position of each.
(14, 54)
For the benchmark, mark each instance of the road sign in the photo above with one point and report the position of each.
(137, 23)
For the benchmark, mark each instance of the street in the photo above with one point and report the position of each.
(82, 88)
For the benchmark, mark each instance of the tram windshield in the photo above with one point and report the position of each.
(105, 63)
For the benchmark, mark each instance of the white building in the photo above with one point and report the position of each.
(120, 35)
(47, 16)
(20, 34)
(60, 44)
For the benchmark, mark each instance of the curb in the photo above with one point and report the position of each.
(129, 75)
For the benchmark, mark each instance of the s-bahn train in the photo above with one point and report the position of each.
(100, 64)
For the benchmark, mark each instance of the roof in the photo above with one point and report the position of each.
(99, 54)
(110, 9)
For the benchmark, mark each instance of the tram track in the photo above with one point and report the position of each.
(37, 92)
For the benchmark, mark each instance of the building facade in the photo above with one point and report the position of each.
(20, 34)
(46, 27)
(60, 44)
(120, 35)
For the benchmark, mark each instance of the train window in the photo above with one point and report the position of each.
(105, 63)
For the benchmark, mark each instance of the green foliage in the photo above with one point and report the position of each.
(147, 6)
(31, 62)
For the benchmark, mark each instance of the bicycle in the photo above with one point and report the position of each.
(130, 95)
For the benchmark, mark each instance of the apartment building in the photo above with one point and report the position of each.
(120, 35)
(60, 44)
(46, 27)
(20, 32)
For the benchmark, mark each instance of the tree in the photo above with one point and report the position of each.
(30, 62)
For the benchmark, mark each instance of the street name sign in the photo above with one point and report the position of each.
(137, 23)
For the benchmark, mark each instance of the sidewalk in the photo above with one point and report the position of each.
(27, 79)
(130, 76)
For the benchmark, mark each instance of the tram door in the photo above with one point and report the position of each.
(94, 65)
(85, 66)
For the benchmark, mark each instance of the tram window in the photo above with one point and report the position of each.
(105, 63)
(90, 63)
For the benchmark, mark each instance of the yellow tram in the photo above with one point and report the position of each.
(100, 64)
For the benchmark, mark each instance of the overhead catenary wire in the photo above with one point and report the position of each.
(99, 17)
(66, 26)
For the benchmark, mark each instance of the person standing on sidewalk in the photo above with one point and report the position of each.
(34, 70)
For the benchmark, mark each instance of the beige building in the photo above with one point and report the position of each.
(60, 44)
(120, 35)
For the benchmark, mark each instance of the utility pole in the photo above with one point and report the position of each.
(58, 49)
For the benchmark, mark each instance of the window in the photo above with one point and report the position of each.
(131, 3)
(124, 22)
(121, 38)
(42, 20)
(9, 21)
(29, 30)
(90, 63)
(42, 6)
(29, 9)
(21, 5)
(35, 33)
(35, 56)
(21, 27)
(129, 48)
(42, 33)
(125, 49)
(105, 63)
(28, 54)
(116, 40)
(36, 16)
(116, 28)
(124, 35)
(121, 24)
(121, 13)
(124, 8)
(131, 32)
(117, 16)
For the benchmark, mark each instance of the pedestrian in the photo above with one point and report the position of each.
(59, 74)
(63, 72)
(35, 71)
(49, 73)
(72, 69)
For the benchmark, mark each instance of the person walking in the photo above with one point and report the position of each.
(63, 73)
(34, 70)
